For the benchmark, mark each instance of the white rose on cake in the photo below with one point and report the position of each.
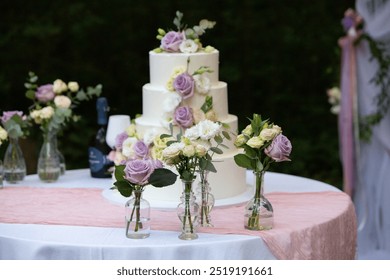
(188, 46)
(202, 84)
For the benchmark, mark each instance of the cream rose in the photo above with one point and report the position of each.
(189, 151)
(255, 142)
(267, 134)
(62, 101)
(3, 134)
(248, 130)
(240, 140)
(59, 86)
(200, 150)
(46, 112)
(73, 86)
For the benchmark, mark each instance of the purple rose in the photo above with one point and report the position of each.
(183, 116)
(119, 139)
(141, 149)
(280, 148)
(9, 114)
(347, 22)
(184, 84)
(45, 93)
(171, 41)
(138, 171)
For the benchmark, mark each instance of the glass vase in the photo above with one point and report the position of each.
(61, 158)
(137, 216)
(14, 163)
(259, 214)
(187, 212)
(1, 174)
(205, 200)
(48, 162)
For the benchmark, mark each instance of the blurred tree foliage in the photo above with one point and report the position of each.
(278, 58)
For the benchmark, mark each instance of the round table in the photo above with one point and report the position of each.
(40, 241)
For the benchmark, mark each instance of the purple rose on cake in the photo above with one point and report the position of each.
(45, 93)
(183, 117)
(138, 171)
(184, 84)
(279, 149)
(141, 149)
(171, 41)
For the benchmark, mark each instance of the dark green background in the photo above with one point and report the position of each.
(278, 58)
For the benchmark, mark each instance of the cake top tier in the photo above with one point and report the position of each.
(184, 39)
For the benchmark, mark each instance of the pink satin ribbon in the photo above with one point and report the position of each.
(347, 113)
(314, 225)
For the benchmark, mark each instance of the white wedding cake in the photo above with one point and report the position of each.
(208, 100)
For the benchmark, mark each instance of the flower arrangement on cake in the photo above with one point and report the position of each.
(263, 143)
(185, 39)
(183, 86)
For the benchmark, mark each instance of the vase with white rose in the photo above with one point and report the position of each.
(131, 179)
(188, 155)
(52, 110)
(263, 143)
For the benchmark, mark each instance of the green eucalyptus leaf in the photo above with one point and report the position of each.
(216, 150)
(226, 134)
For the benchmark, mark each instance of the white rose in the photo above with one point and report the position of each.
(149, 136)
(277, 129)
(46, 112)
(188, 46)
(127, 147)
(73, 86)
(240, 140)
(202, 84)
(248, 130)
(62, 101)
(200, 150)
(189, 151)
(267, 134)
(171, 102)
(59, 86)
(173, 151)
(192, 133)
(36, 115)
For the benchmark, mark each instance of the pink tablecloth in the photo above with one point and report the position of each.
(315, 225)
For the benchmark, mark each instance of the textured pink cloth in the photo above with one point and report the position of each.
(320, 225)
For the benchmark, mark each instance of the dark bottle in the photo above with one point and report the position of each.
(99, 163)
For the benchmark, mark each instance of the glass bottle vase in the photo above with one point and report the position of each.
(259, 214)
(188, 211)
(137, 216)
(48, 162)
(14, 162)
(205, 200)
(61, 158)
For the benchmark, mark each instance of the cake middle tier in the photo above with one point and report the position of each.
(156, 101)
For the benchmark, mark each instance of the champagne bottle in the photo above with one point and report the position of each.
(99, 163)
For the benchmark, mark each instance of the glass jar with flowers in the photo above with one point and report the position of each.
(52, 110)
(14, 123)
(131, 179)
(188, 156)
(211, 135)
(263, 143)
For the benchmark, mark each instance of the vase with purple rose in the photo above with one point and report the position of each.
(263, 143)
(131, 179)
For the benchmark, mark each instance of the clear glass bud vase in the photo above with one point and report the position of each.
(61, 158)
(48, 162)
(205, 200)
(259, 214)
(137, 216)
(188, 211)
(14, 163)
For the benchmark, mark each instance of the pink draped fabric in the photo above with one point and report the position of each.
(347, 114)
(307, 225)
